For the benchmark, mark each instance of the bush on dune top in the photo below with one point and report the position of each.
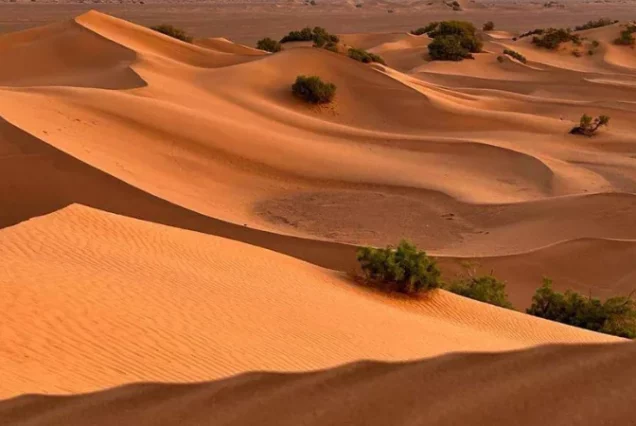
(553, 37)
(453, 41)
(486, 288)
(615, 316)
(602, 22)
(173, 32)
(518, 56)
(362, 55)
(404, 269)
(626, 37)
(588, 125)
(312, 89)
(318, 35)
(269, 45)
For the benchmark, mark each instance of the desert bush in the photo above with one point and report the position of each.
(269, 45)
(536, 31)
(405, 268)
(615, 316)
(518, 56)
(595, 44)
(500, 59)
(485, 288)
(626, 37)
(173, 32)
(318, 35)
(359, 5)
(332, 47)
(602, 22)
(577, 53)
(588, 125)
(425, 30)
(454, 5)
(453, 41)
(364, 56)
(312, 89)
(489, 26)
(553, 37)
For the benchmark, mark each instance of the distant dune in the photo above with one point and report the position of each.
(173, 214)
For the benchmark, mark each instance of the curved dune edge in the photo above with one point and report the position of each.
(101, 300)
(538, 385)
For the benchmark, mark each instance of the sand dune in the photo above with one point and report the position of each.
(115, 300)
(369, 393)
(168, 209)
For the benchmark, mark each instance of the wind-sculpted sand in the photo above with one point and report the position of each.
(171, 213)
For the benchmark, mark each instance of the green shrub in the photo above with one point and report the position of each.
(405, 269)
(269, 45)
(489, 26)
(425, 30)
(626, 37)
(595, 24)
(588, 126)
(318, 35)
(362, 55)
(453, 41)
(616, 316)
(486, 289)
(552, 38)
(448, 48)
(173, 32)
(518, 56)
(536, 31)
(332, 47)
(313, 89)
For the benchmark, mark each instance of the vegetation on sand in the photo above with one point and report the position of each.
(312, 89)
(453, 41)
(364, 56)
(269, 45)
(485, 288)
(588, 125)
(602, 22)
(553, 37)
(318, 35)
(173, 32)
(518, 56)
(404, 269)
(489, 26)
(615, 316)
(425, 30)
(626, 37)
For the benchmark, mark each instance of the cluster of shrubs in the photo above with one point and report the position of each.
(518, 56)
(407, 270)
(626, 37)
(602, 22)
(269, 45)
(588, 125)
(318, 35)
(364, 56)
(313, 90)
(454, 5)
(615, 316)
(173, 32)
(453, 41)
(553, 37)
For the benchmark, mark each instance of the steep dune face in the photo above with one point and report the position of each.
(94, 300)
(538, 385)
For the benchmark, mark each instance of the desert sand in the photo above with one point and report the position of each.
(172, 214)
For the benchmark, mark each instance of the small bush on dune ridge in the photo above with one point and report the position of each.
(269, 45)
(518, 56)
(362, 55)
(602, 22)
(536, 31)
(425, 30)
(615, 316)
(552, 38)
(404, 269)
(588, 126)
(312, 89)
(318, 35)
(453, 41)
(486, 288)
(173, 32)
(626, 37)
(489, 26)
